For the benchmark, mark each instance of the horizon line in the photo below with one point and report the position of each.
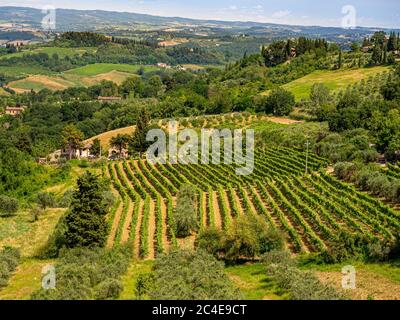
(208, 20)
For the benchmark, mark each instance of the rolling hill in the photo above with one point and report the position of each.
(334, 80)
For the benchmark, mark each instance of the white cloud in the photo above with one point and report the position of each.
(281, 14)
(233, 7)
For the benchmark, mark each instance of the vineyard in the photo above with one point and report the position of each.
(311, 210)
(393, 171)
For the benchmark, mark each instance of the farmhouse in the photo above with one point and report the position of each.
(18, 43)
(14, 111)
(82, 152)
(108, 99)
(163, 65)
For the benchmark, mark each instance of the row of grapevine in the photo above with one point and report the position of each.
(147, 186)
(351, 202)
(171, 223)
(351, 209)
(274, 207)
(134, 181)
(210, 209)
(333, 207)
(232, 201)
(144, 230)
(223, 208)
(159, 226)
(121, 224)
(200, 209)
(292, 211)
(161, 179)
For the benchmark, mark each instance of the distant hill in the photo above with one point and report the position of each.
(90, 20)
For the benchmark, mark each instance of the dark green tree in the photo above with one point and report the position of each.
(138, 143)
(376, 55)
(86, 225)
(96, 147)
(392, 42)
(280, 102)
(120, 142)
(340, 63)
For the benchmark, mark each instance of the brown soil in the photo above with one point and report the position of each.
(204, 205)
(127, 223)
(152, 230)
(117, 218)
(217, 211)
(368, 286)
(136, 246)
(238, 202)
(164, 226)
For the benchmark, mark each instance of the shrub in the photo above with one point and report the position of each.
(66, 199)
(83, 163)
(8, 206)
(108, 289)
(35, 212)
(210, 240)
(143, 285)
(186, 211)
(9, 260)
(301, 285)
(84, 274)
(250, 237)
(45, 200)
(280, 102)
(191, 275)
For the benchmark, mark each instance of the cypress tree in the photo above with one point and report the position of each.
(86, 225)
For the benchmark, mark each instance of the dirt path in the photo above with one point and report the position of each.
(114, 227)
(127, 223)
(136, 241)
(152, 230)
(217, 211)
(164, 226)
(280, 120)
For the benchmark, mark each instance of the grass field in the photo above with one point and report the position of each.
(20, 232)
(23, 71)
(37, 79)
(334, 80)
(62, 52)
(377, 281)
(39, 82)
(99, 68)
(3, 92)
(25, 280)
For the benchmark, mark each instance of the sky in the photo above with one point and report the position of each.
(371, 13)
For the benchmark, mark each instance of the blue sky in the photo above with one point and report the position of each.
(383, 13)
